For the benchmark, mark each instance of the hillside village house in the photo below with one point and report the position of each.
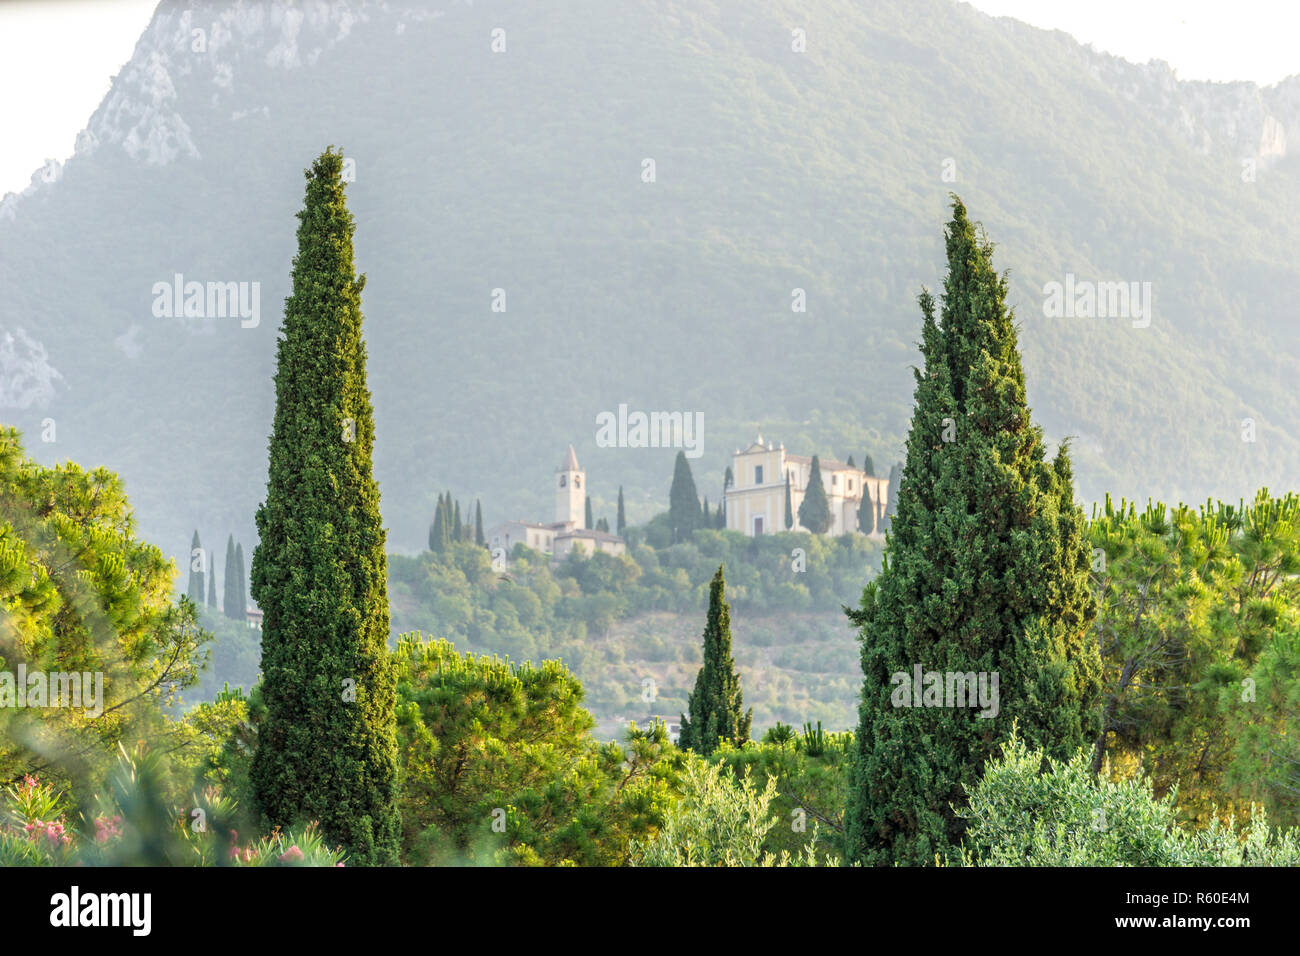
(755, 503)
(568, 532)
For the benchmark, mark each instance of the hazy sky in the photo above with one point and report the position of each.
(57, 56)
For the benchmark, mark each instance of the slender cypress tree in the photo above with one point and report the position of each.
(478, 524)
(789, 511)
(229, 599)
(457, 529)
(212, 584)
(986, 575)
(586, 522)
(622, 518)
(815, 510)
(868, 466)
(717, 702)
(683, 501)
(198, 564)
(850, 462)
(326, 749)
(867, 511)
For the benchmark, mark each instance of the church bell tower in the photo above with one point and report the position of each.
(571, 493)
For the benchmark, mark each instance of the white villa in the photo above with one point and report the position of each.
(568, 532)
(755, 503)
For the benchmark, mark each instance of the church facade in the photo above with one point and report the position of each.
(568, 532)
(755, 502)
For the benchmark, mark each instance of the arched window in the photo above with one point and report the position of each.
(564, 481)
(577, 481)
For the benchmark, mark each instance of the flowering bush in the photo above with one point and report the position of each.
(135, 827)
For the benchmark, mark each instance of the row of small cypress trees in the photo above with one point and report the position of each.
(447, 526)
(234, 595)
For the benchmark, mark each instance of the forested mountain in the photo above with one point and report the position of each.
(826, 170)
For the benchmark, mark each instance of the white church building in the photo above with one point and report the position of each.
(755, 502)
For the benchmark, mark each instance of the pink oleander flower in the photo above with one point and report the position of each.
(292, 855)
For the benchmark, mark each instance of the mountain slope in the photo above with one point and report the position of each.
(775, 170)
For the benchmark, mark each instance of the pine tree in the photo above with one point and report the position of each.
(683, 501)
(867, 511)
(241, 588)
(586, 518)
(986, 574)
(478, 524)
(815, 510)
(229, 598)
(198, 564)
(789, 511)
(716, 704)
(326, 748)
(622, 518)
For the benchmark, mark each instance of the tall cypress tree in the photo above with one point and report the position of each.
(716, 704)
(850, 462)
(789, 511)
(478, 523)
(867, 511)
(868, 466)
(586, 522)
(683, 501)
(622, 518)
(229, 599)
(326, 749)
(457, 529)
(986, 574)
(198, 564)
(815, 510)
(212, 584)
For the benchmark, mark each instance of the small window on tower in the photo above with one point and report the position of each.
(577, 481)
(564, 480)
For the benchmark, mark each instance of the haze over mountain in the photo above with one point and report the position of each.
(827, 170)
